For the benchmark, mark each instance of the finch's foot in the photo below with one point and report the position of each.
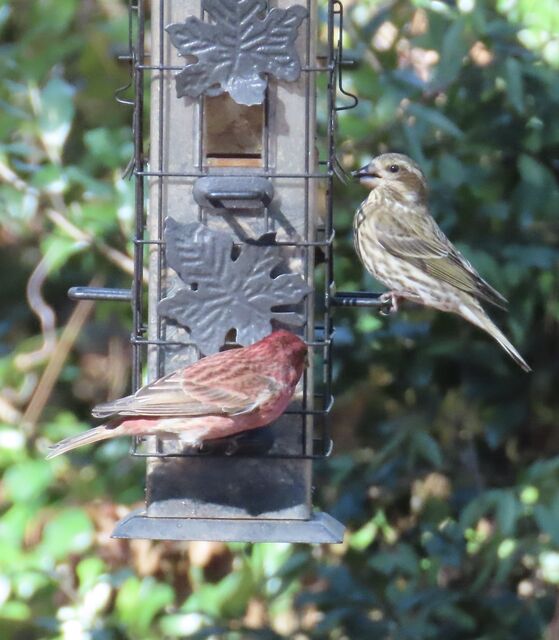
(389, 303)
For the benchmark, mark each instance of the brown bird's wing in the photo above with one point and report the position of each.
(416, 238)
(173, 395)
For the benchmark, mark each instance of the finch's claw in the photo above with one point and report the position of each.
(389, 303)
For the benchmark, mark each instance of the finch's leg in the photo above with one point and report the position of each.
(389, 303)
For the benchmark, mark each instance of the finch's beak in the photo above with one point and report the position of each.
(367, 177)
(364, 172)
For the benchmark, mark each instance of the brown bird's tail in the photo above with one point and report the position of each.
(474, 313)
(96, 434)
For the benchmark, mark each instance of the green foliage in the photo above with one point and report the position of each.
(447, 457)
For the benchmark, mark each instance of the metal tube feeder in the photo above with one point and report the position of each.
(232, 206)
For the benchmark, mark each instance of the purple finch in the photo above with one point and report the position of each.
(402, 246)
(218, 396)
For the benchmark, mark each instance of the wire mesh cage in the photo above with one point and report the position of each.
(229, 178)
(234, 225)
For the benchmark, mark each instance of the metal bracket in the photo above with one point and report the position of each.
(99, 293)
(321, 528)
(231, 192)
(358, 299)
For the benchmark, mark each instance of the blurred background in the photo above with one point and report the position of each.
(446, 462)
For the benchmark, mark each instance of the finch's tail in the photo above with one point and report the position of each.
(96, 434)
(476, 315)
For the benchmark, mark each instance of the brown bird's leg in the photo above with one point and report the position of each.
(389, 303)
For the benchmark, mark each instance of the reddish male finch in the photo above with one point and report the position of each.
(218, 396)
(399, 242)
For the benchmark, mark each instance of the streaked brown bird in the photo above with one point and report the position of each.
(401, 245)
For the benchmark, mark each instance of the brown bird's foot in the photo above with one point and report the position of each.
(389, 303)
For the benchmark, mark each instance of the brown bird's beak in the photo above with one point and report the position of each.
(364, 172)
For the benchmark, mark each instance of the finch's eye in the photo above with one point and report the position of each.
(394, 168)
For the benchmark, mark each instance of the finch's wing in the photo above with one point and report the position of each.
(258, 389)
(416, 238)
(172, 395)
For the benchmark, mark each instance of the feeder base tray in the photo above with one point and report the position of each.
(320, 528)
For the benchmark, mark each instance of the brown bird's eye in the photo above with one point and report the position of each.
(394, 168)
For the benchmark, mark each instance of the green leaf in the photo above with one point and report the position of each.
(529, 495)
(402, 558)
(474, 510)
(5, 11)
(55, 115)
(71, 531)
(59, 249)
(50, 178)
(508, 510)
(547, 518)
(27, 481)
(427, 448)
(140, 600)
(506, 549)
(434, 5)
(267, 559)
(451, 170)
(89, 571)
(53, 16)
(229, 597)
(16, 611)
(183, 625)
(551, 52)
(549, 563)
(12, 529)
(363, 537)
(515, 89)
(21, 207)
(367, 322)
(453, 51)
(27, 583)
(109, 147)
(533, 171)
(434, 118)
(456, 616)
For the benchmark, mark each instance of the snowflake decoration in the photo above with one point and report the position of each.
(236, 48)
(228, 286)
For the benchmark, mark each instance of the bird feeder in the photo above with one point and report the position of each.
(233, 206)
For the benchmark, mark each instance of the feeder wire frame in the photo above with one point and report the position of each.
(319, 337)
